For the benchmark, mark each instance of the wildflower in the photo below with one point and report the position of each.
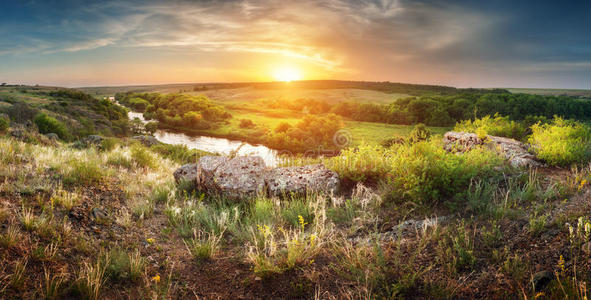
(302, 222)
(312, 240)
(156, 278)
(561, 264)
(150, 241)
(582, 184)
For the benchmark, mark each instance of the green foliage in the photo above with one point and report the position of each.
(419, 133)
(497, 126)
(4, 124)
(423, 172)
(311, 132)
(176, 110)
(179, 153)
(562, 142)
(47, 124)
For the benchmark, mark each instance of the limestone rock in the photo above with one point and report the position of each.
(299, 180)
(147, 140)
(240, 177)
(514, 151)
(186, 172)
(247, 176)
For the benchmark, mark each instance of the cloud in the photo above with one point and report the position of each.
(420, 40)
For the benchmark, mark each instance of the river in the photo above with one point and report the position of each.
(212, 144)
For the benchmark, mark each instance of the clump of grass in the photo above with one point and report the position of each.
(10, 237)
(143, 157)
(91, 278)
(52, 285)
(203, 246)
(122, 266)
(17, 279)
(296, 209)
(119, 159)
(85, 171)
(65, 199)
(142, 209)
(28, 219)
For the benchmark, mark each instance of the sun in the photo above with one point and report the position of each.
(287, 74)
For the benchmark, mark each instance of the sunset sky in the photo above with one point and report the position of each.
(460, 43)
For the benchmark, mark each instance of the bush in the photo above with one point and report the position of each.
(4, 123)
(246, 123)
(47, 124)
(497, 126)
(562, 142)
(422, 172)
(419, 133)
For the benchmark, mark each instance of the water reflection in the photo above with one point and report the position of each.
(212, 144)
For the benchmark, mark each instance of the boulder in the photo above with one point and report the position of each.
(300, 180)
(514, 151)
(206, 168)
(247, 176)
(240, 177)
(147, 140)
(52, 136)
(93, 140)
(186, 173)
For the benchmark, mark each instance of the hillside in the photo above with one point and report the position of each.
(411, 221)
(80, 114)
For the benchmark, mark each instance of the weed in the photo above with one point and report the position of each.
(91, 278)
(10, 237)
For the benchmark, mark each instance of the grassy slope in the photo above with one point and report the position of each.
(49, 229)
(70, 111)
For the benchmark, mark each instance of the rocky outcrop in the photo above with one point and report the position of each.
(299, 180)
(186, 173)
(146, 140)
(514, 151)
(240, 177)
(247, 176)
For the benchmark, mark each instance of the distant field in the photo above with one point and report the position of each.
(554, 92)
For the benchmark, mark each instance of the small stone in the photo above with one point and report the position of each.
(98, 213)
(258, 278)
(542, 279)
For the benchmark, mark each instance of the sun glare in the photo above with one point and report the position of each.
(287, 74)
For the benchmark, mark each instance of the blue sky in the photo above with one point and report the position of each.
(461, 43)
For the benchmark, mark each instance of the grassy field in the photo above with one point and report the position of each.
(554, 92)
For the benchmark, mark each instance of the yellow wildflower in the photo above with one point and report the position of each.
(150, 241)
(156, 278)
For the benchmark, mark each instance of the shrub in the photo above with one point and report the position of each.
(4, 123)
(562, 142)
(497, 126)
(419, 133)
(246, 123)
(47, 124)
(282, 127)
(427, 174)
